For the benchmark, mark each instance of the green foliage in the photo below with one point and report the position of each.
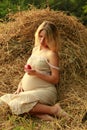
(7, 6)
(85, 9)
(73, 7)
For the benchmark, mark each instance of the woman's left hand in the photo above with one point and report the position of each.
(30, 71)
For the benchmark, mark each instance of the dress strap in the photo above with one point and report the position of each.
(55, 67)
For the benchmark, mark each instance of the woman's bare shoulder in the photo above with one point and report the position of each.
(52, 57)
(51, 53)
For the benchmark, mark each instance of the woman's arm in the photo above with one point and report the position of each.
(54, 77)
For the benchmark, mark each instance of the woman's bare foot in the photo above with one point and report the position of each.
(59, 112)
(45, 117)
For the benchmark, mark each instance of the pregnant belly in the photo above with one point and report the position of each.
(33, 82)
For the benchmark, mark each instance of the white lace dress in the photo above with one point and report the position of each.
(35, 89)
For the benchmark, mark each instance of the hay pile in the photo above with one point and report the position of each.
(16, 42)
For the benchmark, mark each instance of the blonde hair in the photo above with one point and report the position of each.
(51, 35)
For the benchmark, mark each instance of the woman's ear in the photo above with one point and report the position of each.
(42, 41)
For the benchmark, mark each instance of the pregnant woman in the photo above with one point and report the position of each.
(36, 93)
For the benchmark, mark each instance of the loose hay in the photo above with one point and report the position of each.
(16, 42)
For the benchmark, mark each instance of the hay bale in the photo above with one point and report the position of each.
(17, 38)
(16, 41)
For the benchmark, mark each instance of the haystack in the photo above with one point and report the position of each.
(17, 40)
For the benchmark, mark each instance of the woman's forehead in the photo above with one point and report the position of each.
(42, 32)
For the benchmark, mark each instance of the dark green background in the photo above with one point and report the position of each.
(77, 8)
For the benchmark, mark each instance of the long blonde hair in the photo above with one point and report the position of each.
(51, 35)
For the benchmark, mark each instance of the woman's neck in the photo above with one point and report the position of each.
(41, 47)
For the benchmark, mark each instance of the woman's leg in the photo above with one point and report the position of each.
(43, 112)
(45, 117)
(43, 109)
(54, 110)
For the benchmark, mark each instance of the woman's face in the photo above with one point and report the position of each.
(42, 38)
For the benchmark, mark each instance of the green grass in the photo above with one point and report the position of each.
(27, 123)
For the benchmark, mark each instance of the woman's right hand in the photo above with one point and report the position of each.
(19, 90)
